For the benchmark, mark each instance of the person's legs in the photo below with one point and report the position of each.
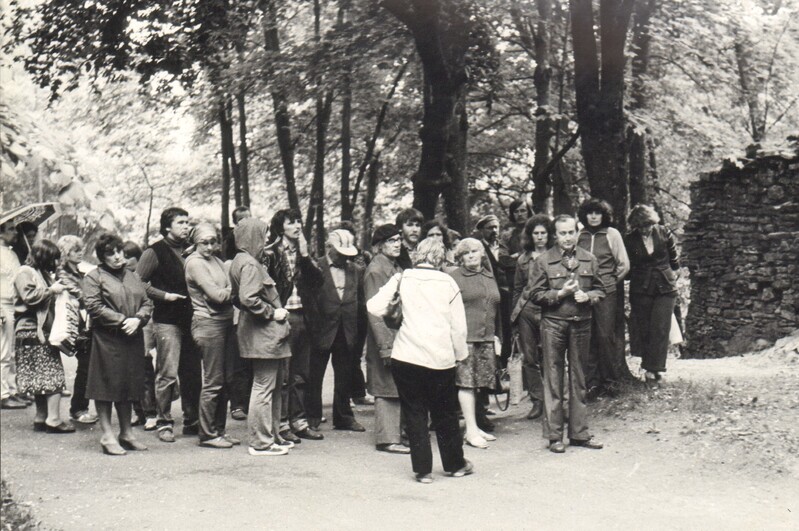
(8, 366)
(529, 326)
(123, 414)
(579, 341)
(168, 342)
(554, 342)
(104, 413)
(387, 421)
(342, 381)
(603, 345)
(239, 377)
(654, 358)
(277, 395)
(466, 398)
(211, 341)
(443, 403)
(294, 394)
(79, 402)
(148, 402)
(640, 318)
(259, 420)
(41, 408)
(316, 375)
(411, 387)
(190, 374)
(53, 409)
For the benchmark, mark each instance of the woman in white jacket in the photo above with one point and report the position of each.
(430, 340)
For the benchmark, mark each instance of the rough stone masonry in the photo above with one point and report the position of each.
(741, 246)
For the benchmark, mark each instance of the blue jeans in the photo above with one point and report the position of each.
(215, 340)
(561, 339)
(263, 420)
(177, 358)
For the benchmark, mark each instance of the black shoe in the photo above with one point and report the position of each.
(536, 411)
(191, 429)
(590, 444)
(289, 436)
(12, 403)
(61, 428)
(484, 424)
(557, 447)
(353, 426)
(309, 434)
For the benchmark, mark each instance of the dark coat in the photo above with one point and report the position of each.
(653, 273)
(327, 312)
(116, 363)
(381, 338)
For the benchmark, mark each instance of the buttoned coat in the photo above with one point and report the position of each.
(380, 339)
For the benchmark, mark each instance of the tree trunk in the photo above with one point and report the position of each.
(280, 107)
(225, 168)
(456, 195)
(244, 152)
(347, 206)
(369, 205)
(749, 86)
(440, 30)
(230, 149)
(600, 99)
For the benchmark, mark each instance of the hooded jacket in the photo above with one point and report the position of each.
(259, 335)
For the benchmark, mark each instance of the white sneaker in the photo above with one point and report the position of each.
(272, 450)
(151, 424)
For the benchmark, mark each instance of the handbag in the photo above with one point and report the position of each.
(66, 324)
(393, 316)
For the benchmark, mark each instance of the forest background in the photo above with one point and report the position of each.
(352, 109)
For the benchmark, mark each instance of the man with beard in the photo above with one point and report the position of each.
(287, 260)
(566, 283)
(178, 364)
(409, 222)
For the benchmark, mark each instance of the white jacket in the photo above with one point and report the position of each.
(433, 331)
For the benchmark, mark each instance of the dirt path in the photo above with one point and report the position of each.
(661, 480)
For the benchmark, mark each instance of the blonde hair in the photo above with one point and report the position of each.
(67, 244)
(430, 251)
(466, 245)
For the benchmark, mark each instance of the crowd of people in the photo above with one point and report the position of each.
(246, 325)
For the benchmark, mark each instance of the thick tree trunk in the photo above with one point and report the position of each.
(244, 152)
(369, 204)
(456, 195)
(280, 107)
(225, 167)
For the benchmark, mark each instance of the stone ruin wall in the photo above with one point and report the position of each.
(741, 246)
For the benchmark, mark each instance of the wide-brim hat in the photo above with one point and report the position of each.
(343, 242)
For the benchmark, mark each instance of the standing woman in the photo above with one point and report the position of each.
(263, 336)
(39, 368)
(69, 274)
(430, 340)
(117, 302)
(526, 316)
(388, 243)
(212, 329)
(653, 288)
(603, 364)
(483, 321)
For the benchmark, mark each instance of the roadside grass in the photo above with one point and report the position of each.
(14, 514)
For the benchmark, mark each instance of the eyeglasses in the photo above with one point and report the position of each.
(212, 241)
(395, 239)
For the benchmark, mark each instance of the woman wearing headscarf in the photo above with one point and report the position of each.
(602, 366)
(117, 302)
(387, 243)
(39, 368)
(653, 288)
(212, 329)
(481, 304)
(70, 275)
(427, 345)
(263, 337)
(526, 316)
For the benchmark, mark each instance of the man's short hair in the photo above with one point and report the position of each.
(131, 250)
(561, 218)
(237, 213)
(409, 214)
(168, 216)
(280, 217)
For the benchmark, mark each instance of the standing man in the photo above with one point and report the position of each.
(241, 368)
(287, 260)
(409, 222)
(565, 282)
(178, 366)
(9, 264)
(339, 320)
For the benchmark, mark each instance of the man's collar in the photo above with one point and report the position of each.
(288, 244)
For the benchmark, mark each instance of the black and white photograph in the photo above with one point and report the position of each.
(399, 264)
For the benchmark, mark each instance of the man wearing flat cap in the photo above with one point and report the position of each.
(339, 316)
(387, 241)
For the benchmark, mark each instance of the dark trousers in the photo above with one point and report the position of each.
(529, 326)
(599, 361)
(215, 339)
(79, 401)
(424, 391)
(146, 407)
(561, 338)
(178, 361)
(342, 378)
(294, 391)
(650, 323)
(239, 374)
(358, 379)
